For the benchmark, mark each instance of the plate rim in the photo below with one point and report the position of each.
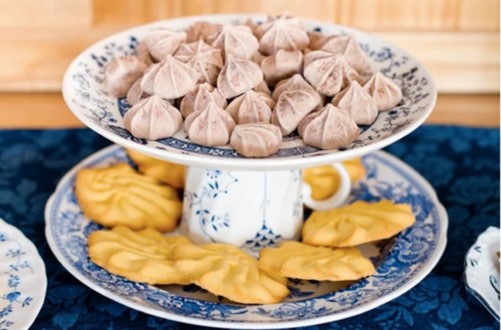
(473, 288)
(31, 250)
(416, 279)
(249, 164)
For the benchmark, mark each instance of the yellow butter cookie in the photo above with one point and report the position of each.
(355, 168)
(357, 223)
(302, 261)
(118, 195)
(142, 256)
(170, 173)
(225, 270)
(325, 180)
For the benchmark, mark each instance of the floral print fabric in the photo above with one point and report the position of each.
(462, 164)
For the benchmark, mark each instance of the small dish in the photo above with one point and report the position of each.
(23, 281)
(481, 273)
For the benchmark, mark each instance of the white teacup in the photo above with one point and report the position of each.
(250, 209)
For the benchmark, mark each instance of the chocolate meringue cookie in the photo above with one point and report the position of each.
(256, 139)
(349, 47)
(258, 58)
(296, 82)
(199, 98)
(201, 31)
(135, 93)
(143, 54)
(384, 91)
(317, 40)
(209, 127)
(262, 87)
(204, 59)
(251, 107)
(153, 118)
(252, 25)
(358, 103)
(238, 76)
(329, 128)
(283, 32)
(281, 65)
(291, 108)
(121, 74)
(328, 72)
(237, 40)
(169, 79)
(162, 42)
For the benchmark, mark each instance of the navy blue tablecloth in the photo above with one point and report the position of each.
(462, 164)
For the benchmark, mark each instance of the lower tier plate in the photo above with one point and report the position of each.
(402, 262)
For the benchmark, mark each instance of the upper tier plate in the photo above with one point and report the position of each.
(86, 96)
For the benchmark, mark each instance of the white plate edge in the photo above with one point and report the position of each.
(470, 281)
(30, 248)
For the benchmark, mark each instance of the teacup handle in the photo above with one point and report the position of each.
(335, 200)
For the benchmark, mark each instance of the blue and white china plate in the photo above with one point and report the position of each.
(482, 270)
(402, 262)
(23, 281)
(86, 96)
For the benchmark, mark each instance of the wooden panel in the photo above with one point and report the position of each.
(130, 11)
(48, 110)
(41, 57)
(389, 15)
(475, 15)
(402, 15)
(45, 13)
(466, 110)
(45, 110)
(459, 62)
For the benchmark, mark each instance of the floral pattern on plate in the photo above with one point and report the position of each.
(310, 302)
(22, 279)
(482, 270)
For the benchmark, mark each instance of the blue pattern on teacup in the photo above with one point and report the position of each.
(88, 97)
(395, 268)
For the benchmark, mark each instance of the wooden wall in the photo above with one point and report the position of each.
(458, 40)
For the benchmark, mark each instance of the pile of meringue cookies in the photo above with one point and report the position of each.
(250, 85)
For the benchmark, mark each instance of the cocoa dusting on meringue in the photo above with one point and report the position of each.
(121, 74)
(153, 118)
(238, 76)
(204, 59)
(251, 107)
(256, 139)
(200, 98)
(384, 91)
(209, 127)
(162, 42)
(329, 128)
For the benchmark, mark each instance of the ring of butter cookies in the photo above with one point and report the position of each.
(118, 195)
(142, 256)
(170, 173)
(358, 223)
(301, 261)
(227, 271)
